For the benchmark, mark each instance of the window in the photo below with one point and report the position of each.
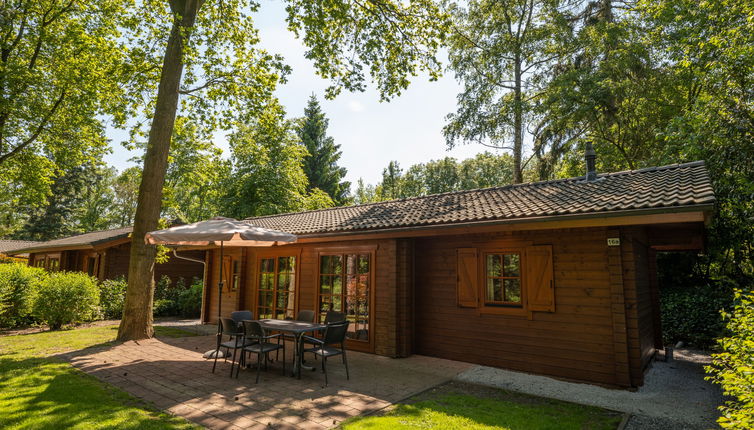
(39, 262)
(344, 286)
(53, 264)
(91, 263)
(503, 279)
(235, 280)
(276, 289)
(511, 281)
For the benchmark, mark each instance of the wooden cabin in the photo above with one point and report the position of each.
(105, 255)
(10, 245)
(554, 278)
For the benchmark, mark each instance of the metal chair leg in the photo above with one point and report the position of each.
(346, 363)
(324, 367)
(217, 351)
(259, 365)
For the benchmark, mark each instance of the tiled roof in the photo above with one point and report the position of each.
(668, 187)
(80, 240)
(7, 245)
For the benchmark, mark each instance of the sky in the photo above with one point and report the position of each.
(370, 133)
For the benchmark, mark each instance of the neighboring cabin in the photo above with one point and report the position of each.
(105, 255)
(555, 277)
(9, 245)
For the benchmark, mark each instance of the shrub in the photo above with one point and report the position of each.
(190, 300)
(18, 287)
(692, 313)
(733, 367)
(67, 297)
(112, 295)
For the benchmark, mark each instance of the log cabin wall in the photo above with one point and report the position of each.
(116, 260)
(579, 340)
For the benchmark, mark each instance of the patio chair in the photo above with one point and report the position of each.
(335, 334)
(331, 317)
(239, 316)
(236, 340)
(257, 343)
(334, 317)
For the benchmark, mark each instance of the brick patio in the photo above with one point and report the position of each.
(172, 375)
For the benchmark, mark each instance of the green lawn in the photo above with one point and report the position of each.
(456, 406)
(38, 391)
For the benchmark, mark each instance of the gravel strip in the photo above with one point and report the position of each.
(673, 392)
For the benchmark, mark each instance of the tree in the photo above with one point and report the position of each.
(98, 195)
(61, 66)
(267, 176)
(395, 39)
(321, 162)
(126, 192)
(365, 193)
(614, 88)
(390, 187)
(195, 173)
(58, 217)
(495, 50)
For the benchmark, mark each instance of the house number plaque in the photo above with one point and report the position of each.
(613, 241)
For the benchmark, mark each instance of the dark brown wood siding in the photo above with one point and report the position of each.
(576, 341)
(117, 259)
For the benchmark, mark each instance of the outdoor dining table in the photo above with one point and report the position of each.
(297, 329)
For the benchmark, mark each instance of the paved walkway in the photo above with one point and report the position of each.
(172, 375)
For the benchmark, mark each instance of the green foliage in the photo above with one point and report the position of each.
(439, 176)
(321, 162)
(733, 367)
(60, 216)
(393, 40)
(195, 172)
(65, 298)
(190, 300)
(691, 313)
(497, 49)
(43, 392)
(18, 290)
(112, 295)
(60, 70)
(267, 176)
(177, 299)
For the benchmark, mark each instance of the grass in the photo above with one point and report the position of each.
(39, 391)
(456, 406)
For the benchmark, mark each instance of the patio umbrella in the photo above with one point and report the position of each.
(218, 232)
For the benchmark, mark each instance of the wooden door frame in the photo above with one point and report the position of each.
(275, 253)
(355, 345)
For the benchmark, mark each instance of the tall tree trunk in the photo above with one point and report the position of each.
(137, 310)
(518, 122)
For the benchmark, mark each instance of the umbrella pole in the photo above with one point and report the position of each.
(220, 286)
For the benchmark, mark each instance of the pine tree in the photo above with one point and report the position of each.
(321, 165)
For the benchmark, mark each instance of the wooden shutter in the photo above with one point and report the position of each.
(226, 275)
(540, 290)
(467, 280)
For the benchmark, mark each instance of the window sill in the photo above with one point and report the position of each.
(502, 310)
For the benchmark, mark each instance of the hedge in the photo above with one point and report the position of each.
(18, 288)
(67, 297)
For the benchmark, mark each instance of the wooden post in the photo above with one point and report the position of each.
(618, 305)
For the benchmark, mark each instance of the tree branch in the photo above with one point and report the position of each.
(36, 133)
